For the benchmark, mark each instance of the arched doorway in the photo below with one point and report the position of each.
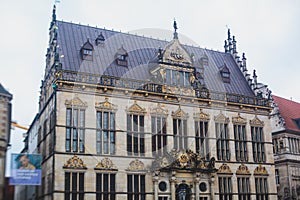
(183, 192)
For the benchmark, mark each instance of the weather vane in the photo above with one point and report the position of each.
(56, 1)
(175, 25)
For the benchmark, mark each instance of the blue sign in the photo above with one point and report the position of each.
(25, 169)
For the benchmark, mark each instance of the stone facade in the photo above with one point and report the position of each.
(286, 150)
(169, 136)
(5, 119)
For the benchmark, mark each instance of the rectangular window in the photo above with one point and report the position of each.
(261, 187)
(241, 153)
(180, 134)
(243, 188)
(159, 135)
(75, 128)
(136, 187)
(135, 135)
(277, 177)
(258, 144)
(105, 186)
(201, 141)
(74, 186)
(225, 188)
(105, 133)
(223, 150)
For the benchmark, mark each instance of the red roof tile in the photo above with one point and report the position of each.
(289, 110)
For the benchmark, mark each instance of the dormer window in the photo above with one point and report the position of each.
(121, 57)
(297, 121)
(225, 74)
(87, 51)
(100, 39)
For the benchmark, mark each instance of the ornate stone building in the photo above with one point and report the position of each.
(130, 117)
(5, 119)
(285, 120)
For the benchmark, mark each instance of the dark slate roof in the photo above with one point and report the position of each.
(4, 92)
(71, 37)
(289, 110)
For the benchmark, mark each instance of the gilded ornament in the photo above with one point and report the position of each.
(107, 164)
(239, 120)
(75, 163)
(224, 168)
(106, 105)
(76, 102)
(136, 109)
(136, 165)
(256, 122)
(221, 118)
(260, 170)
(243, 169)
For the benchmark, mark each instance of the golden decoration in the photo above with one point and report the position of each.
(76, 102)
(160, 110)
(221, 118)
(202, 116)
(179, 114)
(136, 165)
(243, 169)
(224, 168)
(239, 120)
(106, 164)
(260, 170)
(256, 122)
(75, 163)
(136, 109)
(105, 106)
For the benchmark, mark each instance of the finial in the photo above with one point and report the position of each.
(225, 46)
(228, 33)
(244, 57)
(175, 30)
(54, 13)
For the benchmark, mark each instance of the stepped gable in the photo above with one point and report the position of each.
(71, 37)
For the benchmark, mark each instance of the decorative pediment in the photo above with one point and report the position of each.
(75, 163)
(136, 165)
(224, 168)
(105, 106)
(160, 110)
(260, 170)
(106, 164)
(201, 116)
(221, 118)
(256, 122)
(243, 170)
(179, 114)
(239, 120)
(136, 109)
(176, 53)
(188, 160)
(76, 102)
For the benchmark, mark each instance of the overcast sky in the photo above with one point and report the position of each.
(268, 31)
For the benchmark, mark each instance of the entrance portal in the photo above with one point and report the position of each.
(183, 192)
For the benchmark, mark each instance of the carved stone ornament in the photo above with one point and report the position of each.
(136, 109)
(239, 120)
(221, 118)
(105, 106)
(260, 170)
(188, 160)
(201, 116)
(224, 168)
(160, 110)
(179, 114)
(176, 53)
(136, 165)
(243, 170)
(106, 164)
(76, 102)
(256, 122)
(75, 163)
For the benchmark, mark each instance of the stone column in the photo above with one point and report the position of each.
(196, 183)
(211, 185)
(155, 183)
(173, 189)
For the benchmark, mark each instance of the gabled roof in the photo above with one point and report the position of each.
(290, 111)
(4, 92)
(141, 50)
